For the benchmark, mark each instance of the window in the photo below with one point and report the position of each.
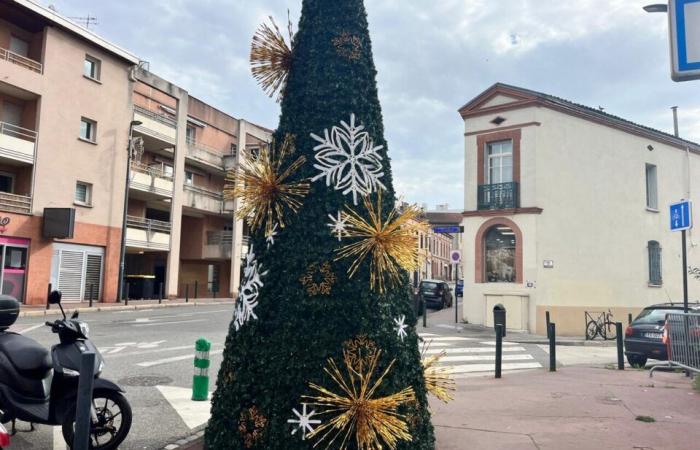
(7, 182)
(499, 162)
(499, 243)
(234, 149)
(91, 67)
(19, 46)
(189, 178)
(191, 134)
(88, 129)
(168, 170)
(654, 263)
(652, 195)
(254, 152)
(83, 193)
(12, 113)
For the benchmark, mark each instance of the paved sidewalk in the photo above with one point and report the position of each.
(40, 310)
(575, 408)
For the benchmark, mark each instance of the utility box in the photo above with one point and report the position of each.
(499, 317)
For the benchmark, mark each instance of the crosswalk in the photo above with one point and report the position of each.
(468, 356)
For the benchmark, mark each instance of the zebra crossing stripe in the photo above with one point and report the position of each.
(469, 368)
(449, 351)
(465, 358)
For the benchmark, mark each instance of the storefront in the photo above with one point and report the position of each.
(13, 265)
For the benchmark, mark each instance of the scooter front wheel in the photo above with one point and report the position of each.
(113, 421)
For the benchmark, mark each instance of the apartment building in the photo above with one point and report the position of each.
(434, 251)
(71, 104)
(566, 211)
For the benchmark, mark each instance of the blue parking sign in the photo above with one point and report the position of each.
(681, 216)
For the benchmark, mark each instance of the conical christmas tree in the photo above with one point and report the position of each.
(323, 336)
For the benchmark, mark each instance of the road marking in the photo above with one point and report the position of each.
(33, 327)
(450, 339)
(146, 352)
(192, 413)
(173, 359)
(505, 344)
(436, 351)
(470, 368)
(58, 442)
(480, 357)
(155, 324)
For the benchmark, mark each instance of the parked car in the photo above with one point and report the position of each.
(460, 288)
(643, 337)
(435, 293)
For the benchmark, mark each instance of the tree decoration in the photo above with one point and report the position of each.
(348, 158)
(270, 237)
(348, 45)
(318, 279)
(304, 421)
(391, 244)
(271, 57)
(251, 426)
(401, 327)
(360, 351)
(264, 189)
(438, 379)
(250, 289)
(338, 225)
(355, 409)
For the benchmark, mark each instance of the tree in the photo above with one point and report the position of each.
(320, 303)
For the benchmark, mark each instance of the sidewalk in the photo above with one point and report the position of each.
(83, 307)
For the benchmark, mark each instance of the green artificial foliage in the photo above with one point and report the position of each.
(271, 360)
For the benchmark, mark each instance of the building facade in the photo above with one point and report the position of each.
(434, 253)
(71, 104)
(566, 211)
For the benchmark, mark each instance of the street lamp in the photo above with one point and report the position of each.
(122, 251)
(656, 8)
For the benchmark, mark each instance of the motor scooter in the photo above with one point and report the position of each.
(42, 388)
(4, 435)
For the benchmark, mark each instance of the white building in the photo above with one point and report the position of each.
(566, 210)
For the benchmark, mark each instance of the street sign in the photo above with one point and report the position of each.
(455, 256)
(684, 26)
(681, 216)
(452, 229)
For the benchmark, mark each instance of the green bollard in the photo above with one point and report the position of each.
(200, 380)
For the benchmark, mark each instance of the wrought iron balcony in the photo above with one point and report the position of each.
(498, 196)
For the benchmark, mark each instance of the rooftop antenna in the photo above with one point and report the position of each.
(85, 21)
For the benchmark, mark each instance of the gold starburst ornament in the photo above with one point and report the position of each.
(438, 379)
(264, 187)
(391, 243)
(270, 58)
(355, 411)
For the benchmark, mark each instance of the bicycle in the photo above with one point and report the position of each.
(602, 326)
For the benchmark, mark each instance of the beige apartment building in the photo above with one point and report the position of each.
(69, 103)
(434, 252)
(566, 210)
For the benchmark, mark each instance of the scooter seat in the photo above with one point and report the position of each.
(29, 358)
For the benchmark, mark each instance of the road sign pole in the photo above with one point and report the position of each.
(457, 298)
(685, 272)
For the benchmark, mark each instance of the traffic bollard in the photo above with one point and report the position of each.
(126, 297)
(425, 315)
(200, 380)
(546, 315)
(160, 293)
(187, 293)
(552, 332)
(620, 347)
(90, 294)
(499, 349)
(48, 294)
(196, 288)
(81, 438)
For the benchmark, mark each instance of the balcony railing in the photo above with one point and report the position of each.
(219, 237)
(158, 117)
(17, 143)
(498, 196)
(150, 225)
(204, 154)
(15, 203)
(151, 179)
(20, 60)
(204, 199)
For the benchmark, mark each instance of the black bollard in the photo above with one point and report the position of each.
(548, 322)
(552, 332)
(425, 315)
(187, 293)
(81, 440)
(48, 294)
(160, 293)
(90, 293)
(196, 288)
(620, 347)
(499, 349)
(629, 319)
(126, 297)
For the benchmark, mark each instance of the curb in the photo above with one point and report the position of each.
(185, 442)
(83, 309)
(564, 343)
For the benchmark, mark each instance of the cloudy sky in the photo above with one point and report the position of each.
(432, 56)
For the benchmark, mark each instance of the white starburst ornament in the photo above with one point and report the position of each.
(338, 225)
(348, 158)
(249, 291)
(401, 327)
(303, 421)
(270, 237)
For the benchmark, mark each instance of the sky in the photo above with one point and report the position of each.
(432, 57)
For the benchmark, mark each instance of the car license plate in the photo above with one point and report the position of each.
(652, 335)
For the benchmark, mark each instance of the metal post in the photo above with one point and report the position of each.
(187, 293)
(457, 298)
(499, 349)
(83, 407)
(425, 313)
(126, 298)
(200, 380)
(160, 292)
(196, 288)
(90, 294)
(552, 347)
(685, 272)
(629, 319)
(48, 294)
(546, 315)
(620, 347)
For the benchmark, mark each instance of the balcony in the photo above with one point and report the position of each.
(204, 200)
(204, 156)
(151, 180)
(148, 234)
(156, 125)
(498, 196)
(15, 203)
(20, 60)
(17, 143)
(219, 245)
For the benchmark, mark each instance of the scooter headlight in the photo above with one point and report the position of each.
(84, 329)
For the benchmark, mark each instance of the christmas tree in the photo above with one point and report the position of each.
(323, 348)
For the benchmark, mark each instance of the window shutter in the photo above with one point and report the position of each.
(93, 276)
(70, 274)
(654, 263)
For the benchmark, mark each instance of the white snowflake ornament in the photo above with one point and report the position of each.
(401, 327)
(303, 421)
(338, 225)
(270, 237)
(348, 158)
(249, 291)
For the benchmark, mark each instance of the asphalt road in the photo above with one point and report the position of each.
(144, 349)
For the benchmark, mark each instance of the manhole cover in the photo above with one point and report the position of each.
(145, 381)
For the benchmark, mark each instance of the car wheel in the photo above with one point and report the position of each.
(637, 361)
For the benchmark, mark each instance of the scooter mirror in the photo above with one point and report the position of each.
(55, 297)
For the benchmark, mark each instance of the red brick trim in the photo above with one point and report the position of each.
(502, 212)
(483, 139)
(510, 127)
(479, 275)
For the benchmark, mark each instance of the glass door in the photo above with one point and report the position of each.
(13, 266)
